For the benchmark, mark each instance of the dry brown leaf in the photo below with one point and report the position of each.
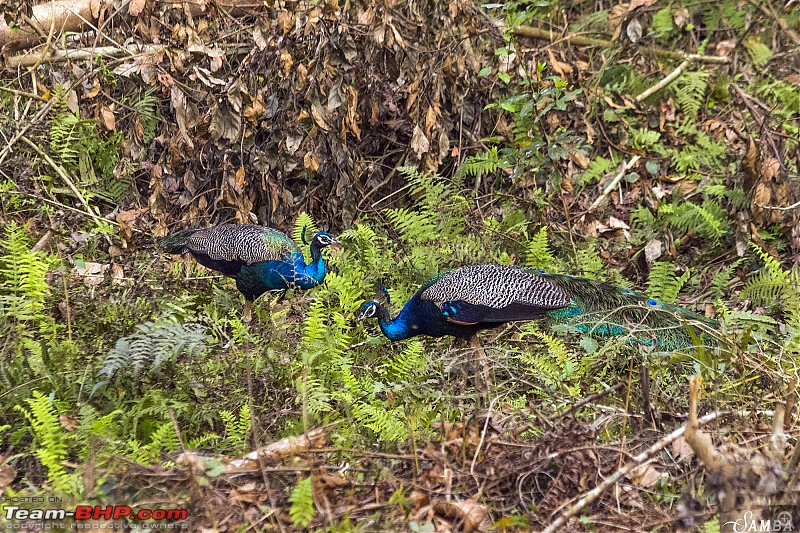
(645, 476)
(135, 7)
(256, 108)
(668, 111)
(286, 21)
(117, 274)
(680, 448)
(580, 159)
(615, 223)
(319, 115)
(750, 163)
(261, 32)
(652, 251)
(762, 195)
(560, 68)
(770, 168)
(470, 514)
(430, 120)
(93, 273)
(310, 162)
(94, 91)
(286, 62)
(725, 47)
(681, 17)
(68, 423)
(616, 18)
(352, 117)
(109, 122)
(186, 114)
(225, 123)
(419, 142)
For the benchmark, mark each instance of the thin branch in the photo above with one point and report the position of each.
(538, 33)
(614, 182)
(23, 93)
(61, 172)
(589, 497)
(52, 230)
(663, 83)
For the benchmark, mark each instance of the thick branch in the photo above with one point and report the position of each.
(63, 15)
(25, 60)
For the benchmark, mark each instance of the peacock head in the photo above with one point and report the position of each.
(324, 239)
(369, 310)
(377, 306)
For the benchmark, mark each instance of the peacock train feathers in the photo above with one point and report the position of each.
(261, 259)
(463, 301)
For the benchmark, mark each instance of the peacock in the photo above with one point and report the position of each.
(463, 301)
(261, 259)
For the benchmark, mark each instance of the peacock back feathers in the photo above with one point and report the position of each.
(495, 286)
(241, 242)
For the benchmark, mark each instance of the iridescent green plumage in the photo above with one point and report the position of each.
(602, 310)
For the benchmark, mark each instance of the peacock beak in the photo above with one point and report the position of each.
(336, 244)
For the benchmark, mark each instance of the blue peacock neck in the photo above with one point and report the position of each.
(397, 328)
(314, 271)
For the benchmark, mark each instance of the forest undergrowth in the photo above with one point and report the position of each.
(128, 376)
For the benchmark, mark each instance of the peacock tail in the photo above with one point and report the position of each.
(603, 310)
(463, 301)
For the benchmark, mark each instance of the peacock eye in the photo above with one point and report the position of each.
(626, 291)
(540, 271)
(652, 303)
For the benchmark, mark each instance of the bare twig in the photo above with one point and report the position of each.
(587, 400)
(666, 81)
(538, 33)
(483, 437)
(614, 182)
(23, 93)
(54, 222)
(589, 497)
(61, 172)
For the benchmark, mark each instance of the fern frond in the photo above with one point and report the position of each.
(50, 436)
(538, 254)
(302, 499)
(486, 162)
(23, 284)
(690, 91)
(662, 283)
(559, 362)
(599, 167)
(152, 344)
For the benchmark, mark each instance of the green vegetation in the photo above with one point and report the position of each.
(148, 361)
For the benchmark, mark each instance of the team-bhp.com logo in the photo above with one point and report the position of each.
(88, 512)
